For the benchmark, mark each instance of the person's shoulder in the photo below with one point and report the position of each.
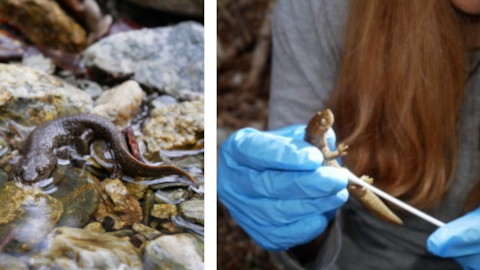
(316, 15)
(318, 7)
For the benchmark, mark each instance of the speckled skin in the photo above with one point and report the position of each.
(315, 134)
(38, 156)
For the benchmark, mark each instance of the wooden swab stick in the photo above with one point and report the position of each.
(354, 179)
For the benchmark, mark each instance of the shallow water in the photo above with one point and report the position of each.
(81, 193)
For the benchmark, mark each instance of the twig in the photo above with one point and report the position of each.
(8, 238)
(7, 139)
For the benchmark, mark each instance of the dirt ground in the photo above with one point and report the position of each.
(243, 69)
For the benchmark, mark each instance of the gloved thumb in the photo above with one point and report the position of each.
(460, 237)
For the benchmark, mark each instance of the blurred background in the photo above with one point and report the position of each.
(243, 70)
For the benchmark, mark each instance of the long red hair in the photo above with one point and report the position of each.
(399, 92)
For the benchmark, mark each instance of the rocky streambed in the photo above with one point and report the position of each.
(90, 214)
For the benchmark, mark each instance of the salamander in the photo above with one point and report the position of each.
(315, 134)
(38, 156)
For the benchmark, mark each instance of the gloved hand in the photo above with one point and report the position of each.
(459, 240)
(275, 186)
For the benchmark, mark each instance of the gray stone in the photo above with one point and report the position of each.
(95, 227)
(26, 215)
(193, 210)
(39, 63)
(164, 211)
(11, 263)
(120, 104)
(188, 225)
(177, 251)
(146, 231)
(79, 193)
(176, 126)
(169, 60)
(120, 233)
(93, 89)
(163, 101)
(175, 196)
(72, 248)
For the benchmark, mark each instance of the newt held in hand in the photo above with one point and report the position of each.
(38, 156)
(315, 134)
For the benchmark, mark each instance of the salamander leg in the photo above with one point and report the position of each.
(83, 142)
(114, 174)
(367, 179)
(62, 152)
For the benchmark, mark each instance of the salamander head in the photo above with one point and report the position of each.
(326, 117)
(320, 122)
(33, 168)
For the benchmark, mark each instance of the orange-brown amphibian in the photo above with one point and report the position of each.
(315, 134)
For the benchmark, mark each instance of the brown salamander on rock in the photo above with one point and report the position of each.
(38, 156)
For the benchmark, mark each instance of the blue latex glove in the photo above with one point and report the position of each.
(459, 240)
(276, 188)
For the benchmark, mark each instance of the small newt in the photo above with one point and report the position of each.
(38, 156)
(315, 134)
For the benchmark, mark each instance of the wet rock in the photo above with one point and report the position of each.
(148, 205)
(95, 227)
(191, 163)
(177, 126)
(163, 101)
(120, 104)
(178, 251)
(3, 178)
(171, 196)
(12, 48)
(170, 185)
(102, 153)
(120, 233)
(140, 238)
(31, 98)
(169, 60)
(118, 204)
(72, 248)
(164, 211)
(146, 231)
(93, 89)
(45, 24)
(187, 225)
(154, 224)
(185, 7)
(169, 227)
(136, 190)
(26, 215)
(192, 210)
(11, 263)
(39, 63)
(80, 195)
(4, 148)
(97, 24)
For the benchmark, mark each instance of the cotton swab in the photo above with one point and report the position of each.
(354, 179)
